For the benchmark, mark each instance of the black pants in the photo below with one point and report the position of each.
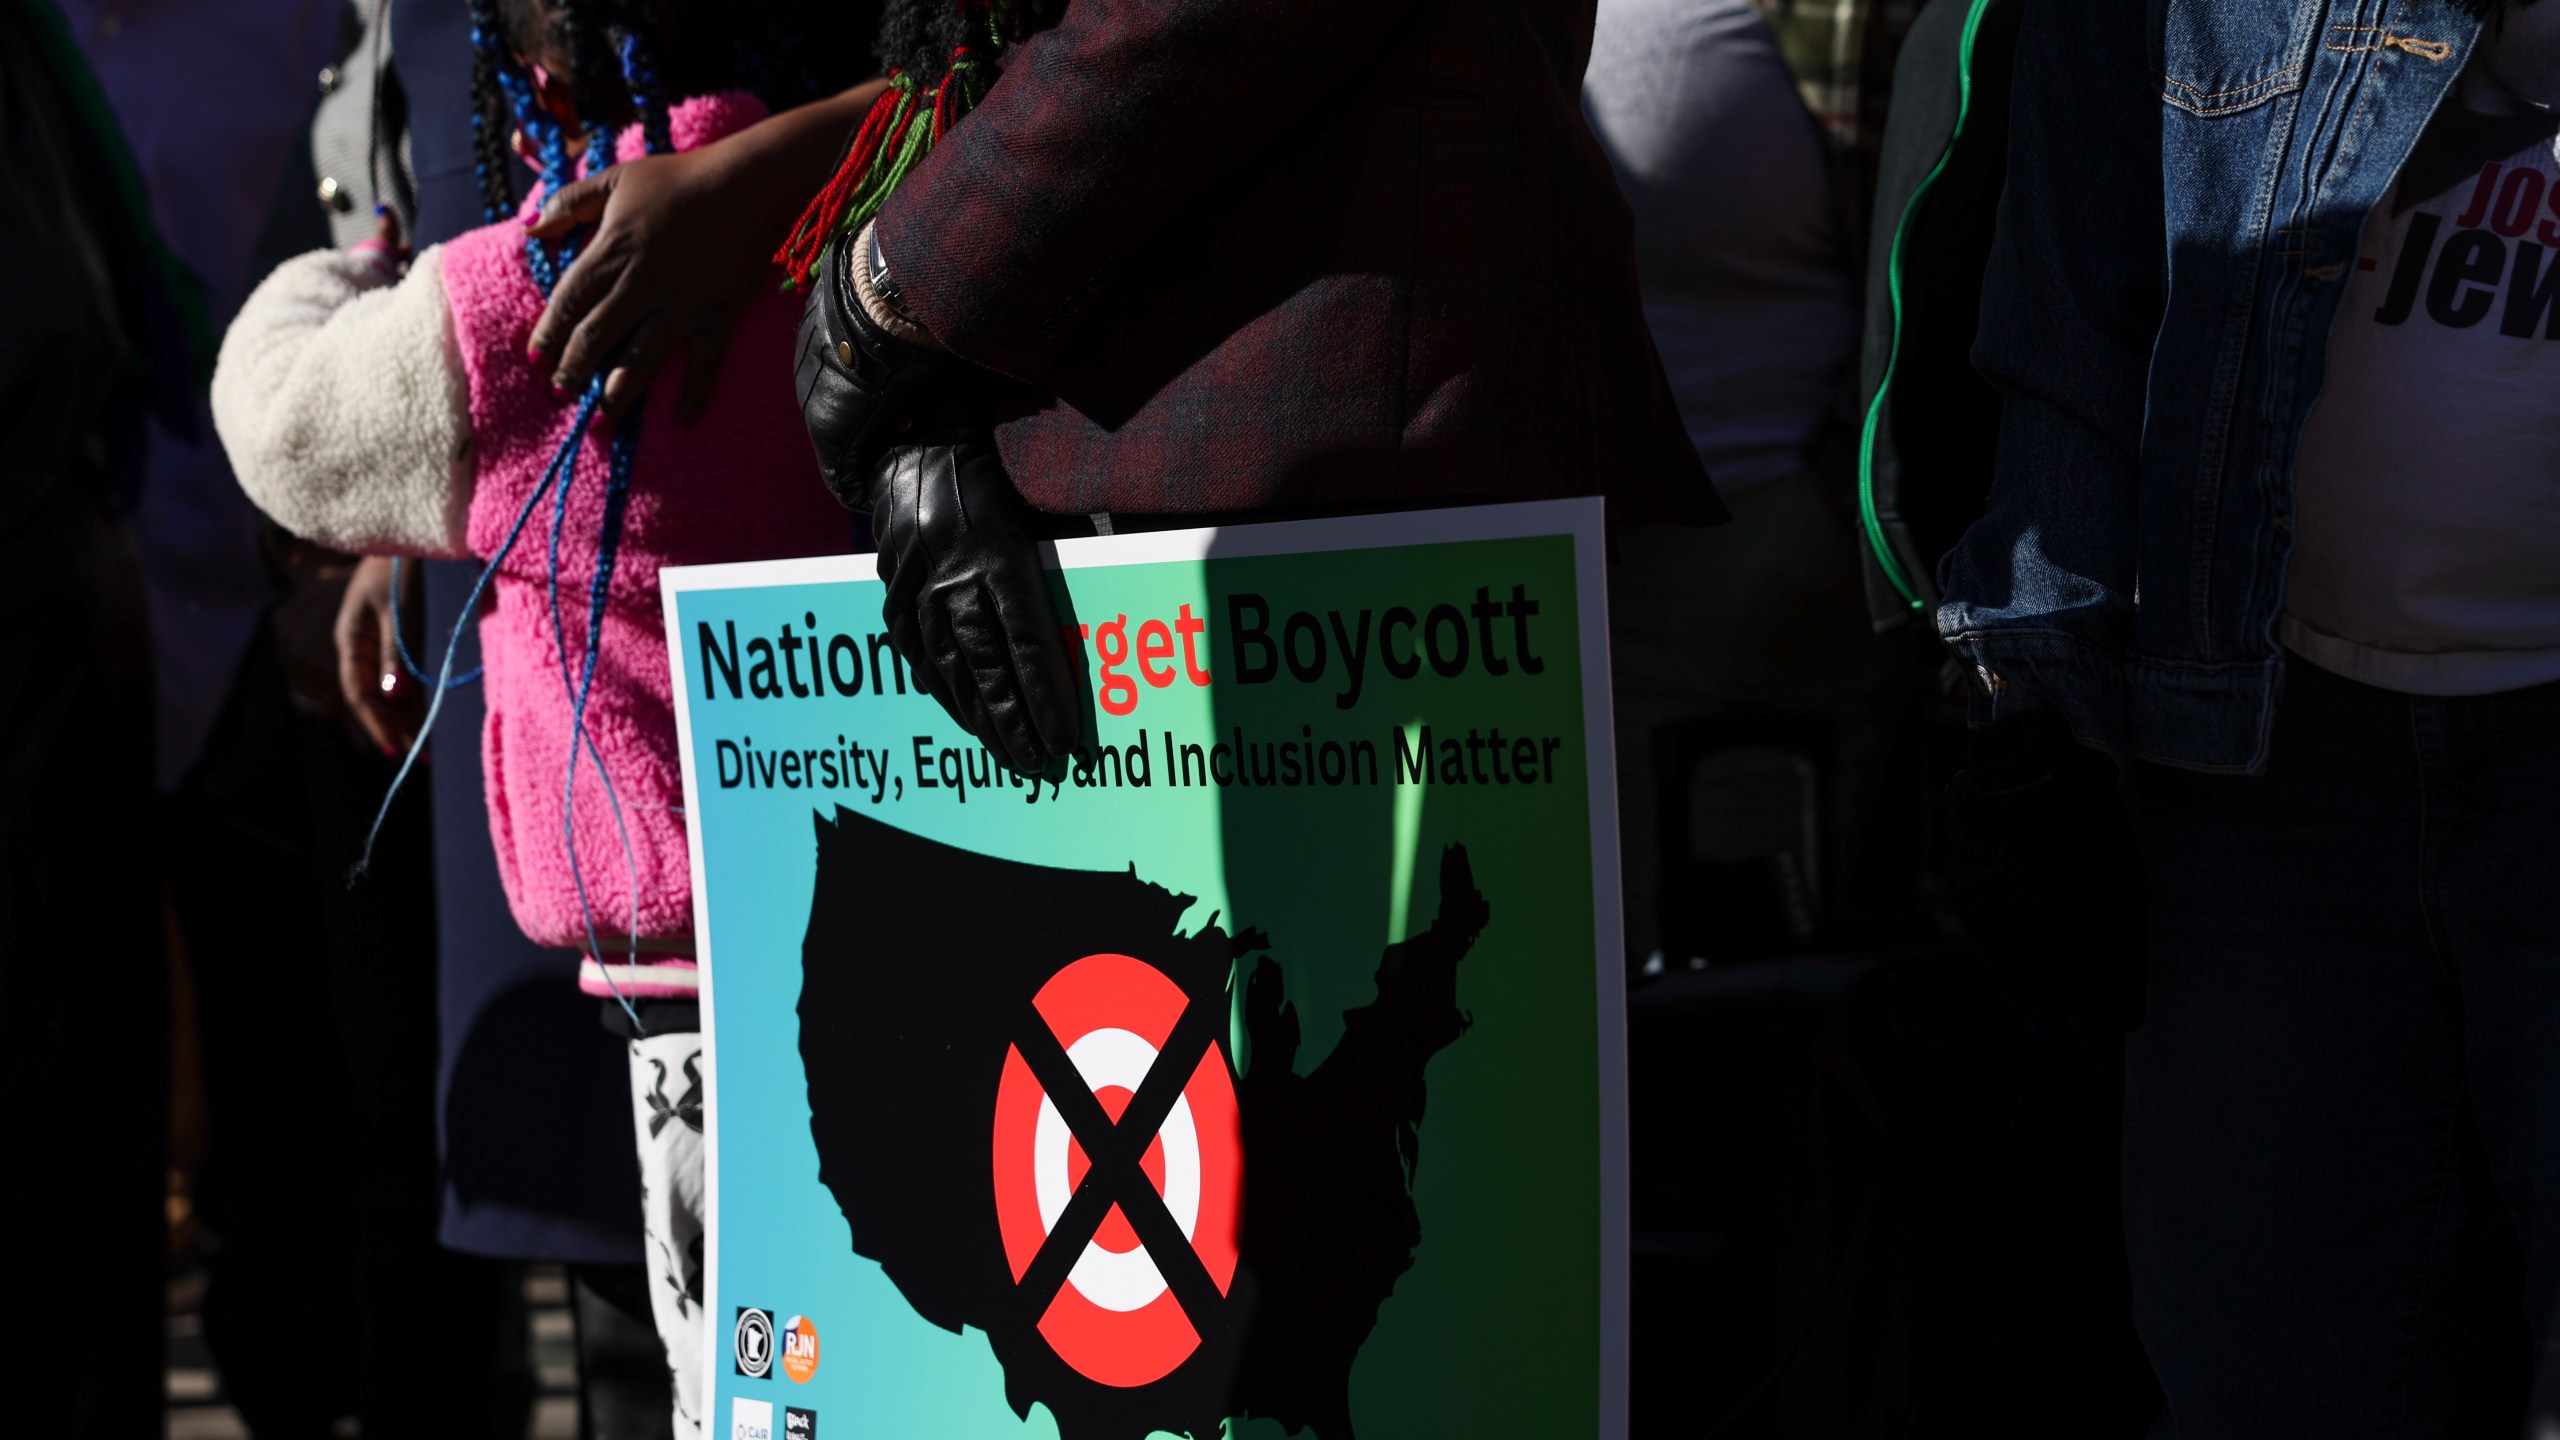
(623, 1388)
(83, 974)
(2342, 1111)
(316, 1004)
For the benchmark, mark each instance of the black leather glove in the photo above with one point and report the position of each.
(969, 604)
(859, 385)
(901, 435)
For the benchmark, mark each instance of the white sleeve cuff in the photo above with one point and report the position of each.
(341, 400)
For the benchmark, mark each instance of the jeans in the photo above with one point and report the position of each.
(2342, 1108)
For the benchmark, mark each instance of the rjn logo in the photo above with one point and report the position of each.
(800, 1349)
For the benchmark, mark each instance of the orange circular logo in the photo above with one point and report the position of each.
(800, 1349)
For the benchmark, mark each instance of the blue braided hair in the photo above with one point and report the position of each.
(492, 111)
(786, 52)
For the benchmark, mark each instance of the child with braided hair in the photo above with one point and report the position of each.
(389, 405)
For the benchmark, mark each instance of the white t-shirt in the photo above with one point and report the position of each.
(1746, 283)
(2428, 494)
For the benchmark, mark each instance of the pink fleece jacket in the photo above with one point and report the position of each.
(740, 484)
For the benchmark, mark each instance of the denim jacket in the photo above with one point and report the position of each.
(2188, 182)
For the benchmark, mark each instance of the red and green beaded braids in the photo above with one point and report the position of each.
(942, 56)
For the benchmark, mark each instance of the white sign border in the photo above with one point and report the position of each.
(1583, 520)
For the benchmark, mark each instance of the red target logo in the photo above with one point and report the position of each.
(1119, 1171)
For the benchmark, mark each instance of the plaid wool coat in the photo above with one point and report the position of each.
(1296, 255)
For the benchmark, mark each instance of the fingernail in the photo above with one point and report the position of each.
(534, 357)
(387, 752)
(558, 391)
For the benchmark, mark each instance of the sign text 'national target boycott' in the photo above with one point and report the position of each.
(1490, 634)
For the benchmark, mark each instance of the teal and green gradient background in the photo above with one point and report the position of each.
(1495, 1330)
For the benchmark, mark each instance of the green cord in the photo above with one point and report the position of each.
(1876, 540)
(915, 112)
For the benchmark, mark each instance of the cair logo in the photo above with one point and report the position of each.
(800, 1349)
(752, 1344)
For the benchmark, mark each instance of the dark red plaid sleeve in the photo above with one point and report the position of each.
(1099, 129)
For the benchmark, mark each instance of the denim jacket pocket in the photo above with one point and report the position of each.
(2234, 56)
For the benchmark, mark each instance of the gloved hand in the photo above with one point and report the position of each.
(968, 604)
(859, 385)
(902, 436)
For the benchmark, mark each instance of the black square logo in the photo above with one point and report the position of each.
(752, 1344)
(799, 1424)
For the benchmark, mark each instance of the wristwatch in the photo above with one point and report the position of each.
(882, 285)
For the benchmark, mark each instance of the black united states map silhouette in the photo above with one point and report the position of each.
(907, 1009)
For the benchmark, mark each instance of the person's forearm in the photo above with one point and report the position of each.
(785, 158)
(681, 242)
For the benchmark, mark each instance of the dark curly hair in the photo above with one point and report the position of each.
(919, 37)
(632, 59)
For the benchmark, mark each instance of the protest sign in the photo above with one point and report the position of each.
(1259, 1073)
